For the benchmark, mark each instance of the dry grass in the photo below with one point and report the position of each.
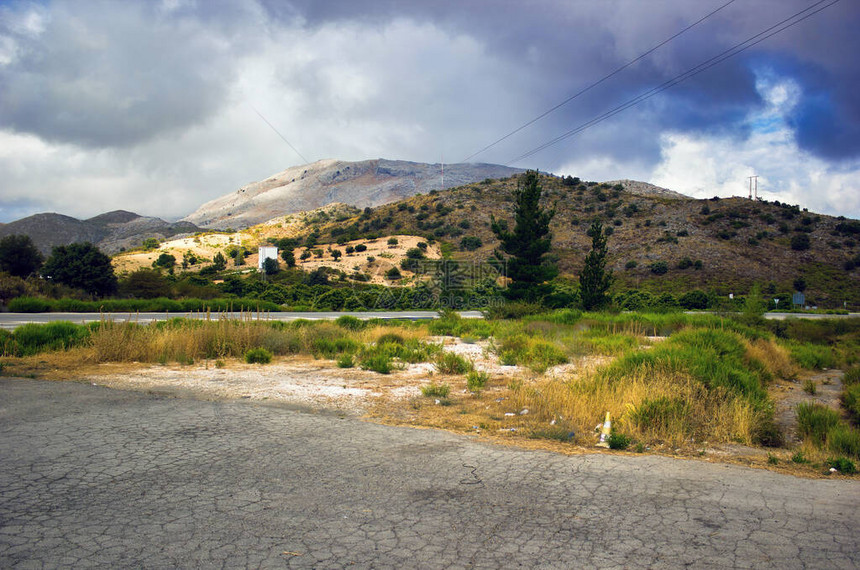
(775, 358)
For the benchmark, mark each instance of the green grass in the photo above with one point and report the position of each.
(851, 401)
(811, 356)
(814, 421)
(434, 390)
(33, 338)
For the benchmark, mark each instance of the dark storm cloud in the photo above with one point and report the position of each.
(578, 42)
(110, 74)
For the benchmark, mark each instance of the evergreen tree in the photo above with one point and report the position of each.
(528, 267)
(594, 281)
(19, 256)
(82, 266)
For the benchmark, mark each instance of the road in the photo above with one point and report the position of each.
(10, 321)
(94, 477)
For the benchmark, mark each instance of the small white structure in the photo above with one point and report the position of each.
(266, 252)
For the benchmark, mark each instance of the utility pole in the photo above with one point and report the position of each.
(753, 193)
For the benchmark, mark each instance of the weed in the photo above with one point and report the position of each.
(390, 338)
(640, 447)
(812, 356)
(852, 376)
(434, 390)
(258, 356)
(33, 338)
(772, 459)
(798, 457)
(619, 441)
(476, 380)
(450, 363)
(814, 421)
(809, 386)
(219, 363)
(842, 464)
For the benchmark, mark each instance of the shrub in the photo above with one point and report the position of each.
(471, 243)
(390, 338)
(434, 390)
(619, 441)
(476, 380)
(450, 363)
(258, 356)
(659, 267)
(842, 464)
(345, 361)
(377, 361)
(392, 274)
(800, 242)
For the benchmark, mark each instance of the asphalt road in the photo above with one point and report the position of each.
(95, 477)
(10, 321)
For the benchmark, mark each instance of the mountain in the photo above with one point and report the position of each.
(111, 231)
(368, 183)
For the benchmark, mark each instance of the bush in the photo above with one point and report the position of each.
(800, 242)
(471, 243)
(434, 390)
(476, 380)
(450, 363)
(842, 464)
(377, 361)
(619, 441)
(258, 356)
(393, 274)
(345, 361)
(659, 267)
(695, 299)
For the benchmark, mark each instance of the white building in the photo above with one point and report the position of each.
(266, 252)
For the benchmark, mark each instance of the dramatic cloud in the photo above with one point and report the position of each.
(155, 106)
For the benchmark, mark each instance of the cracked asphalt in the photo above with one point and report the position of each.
(98, 477)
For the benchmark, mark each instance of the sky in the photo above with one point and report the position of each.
(159, 106)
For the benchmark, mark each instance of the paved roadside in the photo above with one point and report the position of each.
(97, 477)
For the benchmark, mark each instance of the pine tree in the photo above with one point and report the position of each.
(528, 267)
(594, 281)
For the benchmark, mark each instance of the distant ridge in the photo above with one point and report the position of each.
(360, 184)
(111, 231)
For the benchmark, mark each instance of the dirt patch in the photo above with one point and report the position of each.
(787, 394)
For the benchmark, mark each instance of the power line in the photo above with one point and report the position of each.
(704, 66)
(598, 82)
(306, 161)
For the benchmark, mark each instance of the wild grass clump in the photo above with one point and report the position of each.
(333, 347)
(851, 402)
(842, 464)
(844, 440)
(814, 421)
(345, 361)
(619, 441)
(852, 376)
(258, 356)
(451, 363)
(434, 390)
(376, 361)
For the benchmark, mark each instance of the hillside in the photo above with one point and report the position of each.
(724, 245)
(660, 240)
(111, 231)
(362, 184)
